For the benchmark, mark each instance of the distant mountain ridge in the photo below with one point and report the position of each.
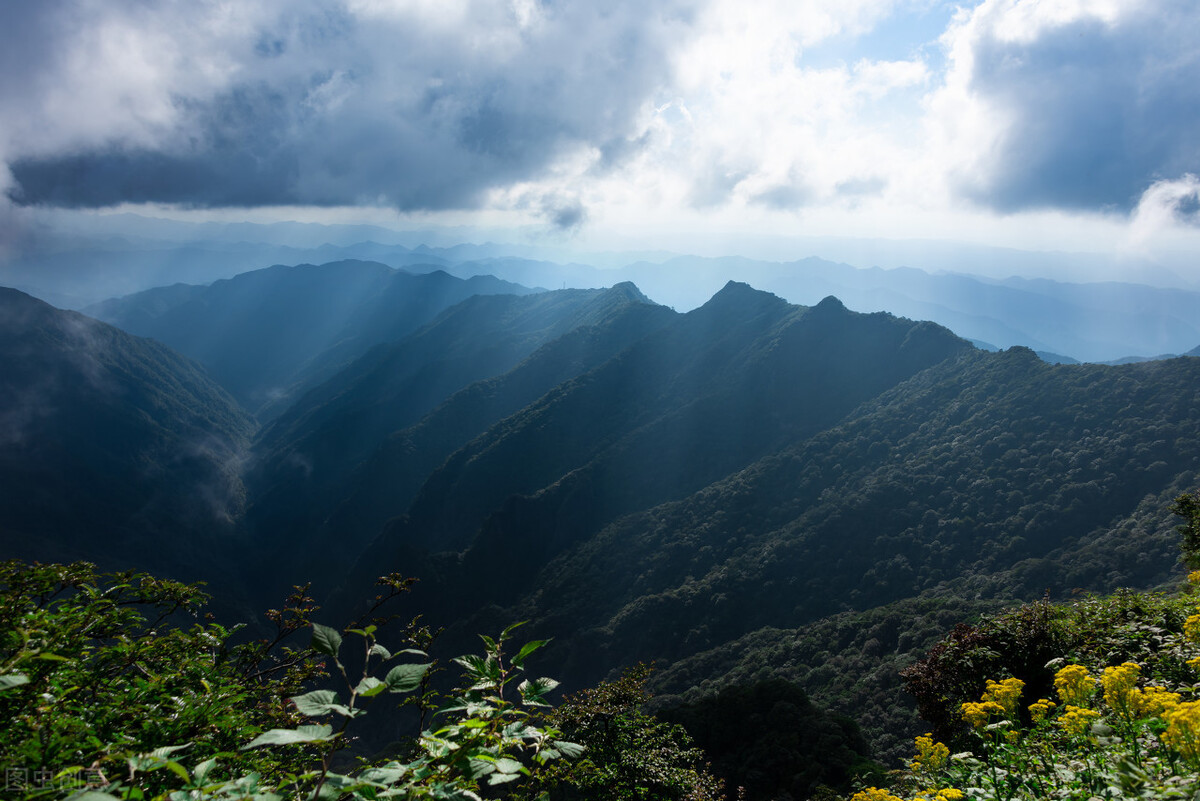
(269, 334)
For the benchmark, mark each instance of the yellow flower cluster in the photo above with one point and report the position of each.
(1076, 720)
(944, 794)
(1194, 577)
(1075, 685)
(1040, 708)
(977, 714)
(874, 794)
(1005, 693)
(1152, 702)
(1194, 663)
(1191, 628)
(931, 755)
(1183, 730)
(1118, 682)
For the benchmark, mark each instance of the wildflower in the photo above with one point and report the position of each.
(977, 714)
(1152, 702)
(1118, 682)
(1183, 730)
(1075, 685)
(874, 794)
(1194, 663)
(1004, 693)
(1194, 577)
(930, 756)
(1040, 708)
(1076, 720)
(950, 794)
(1191, 628)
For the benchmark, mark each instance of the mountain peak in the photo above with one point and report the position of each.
(629, 291)
(737, 297)
(830, 304)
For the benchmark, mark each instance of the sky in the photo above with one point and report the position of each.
(1043, 125)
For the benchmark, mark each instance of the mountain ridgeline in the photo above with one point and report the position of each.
(750, 491)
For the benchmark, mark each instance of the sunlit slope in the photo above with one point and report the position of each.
(703, 396)
(988, 476)
(265, 335)
(384, 484)
(112, 447)
(333, 449)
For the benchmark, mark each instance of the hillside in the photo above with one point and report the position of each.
(112, 447)
(986, 479)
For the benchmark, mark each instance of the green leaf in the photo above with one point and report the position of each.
(504, 634)
(326, 640)
(370, 686)
(502, 778)
(506, 765)
(533, 691)
(203, 769)
(528, 649)
(13, 680)
(379, 650)
(570, 750)
(300, 734)
(315, 703)
(405, 678)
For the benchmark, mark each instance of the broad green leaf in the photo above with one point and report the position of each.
(370, 686)
(405, 678)
(502, 778)
(528, 649)
(178, 770)
(379, 650)
(571, 750)
(13, 680)
(506, 765)
(300, 734)
(316, 703)
(533, 691)
(203, 769)
(326, 640)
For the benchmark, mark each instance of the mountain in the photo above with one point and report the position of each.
(267, 335)
(701, 397)
(988, 478)
(311, 458)
(113, 448)
(1092, 322)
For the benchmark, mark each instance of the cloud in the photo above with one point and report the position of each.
(1070, 105)
(1164, 206)
(413, 105)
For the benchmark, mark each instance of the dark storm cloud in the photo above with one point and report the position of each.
(340, 104)
(1099, 111)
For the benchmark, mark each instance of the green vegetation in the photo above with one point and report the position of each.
(1093, 699)
(113, 688)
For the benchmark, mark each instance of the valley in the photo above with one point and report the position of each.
(746, 491)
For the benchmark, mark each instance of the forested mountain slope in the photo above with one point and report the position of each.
(112, 447)
(310, 460)
(267, 334)
(987, 478)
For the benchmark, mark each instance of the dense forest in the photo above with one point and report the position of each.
(780, 508)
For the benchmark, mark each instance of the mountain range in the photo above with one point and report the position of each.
(747, 490)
